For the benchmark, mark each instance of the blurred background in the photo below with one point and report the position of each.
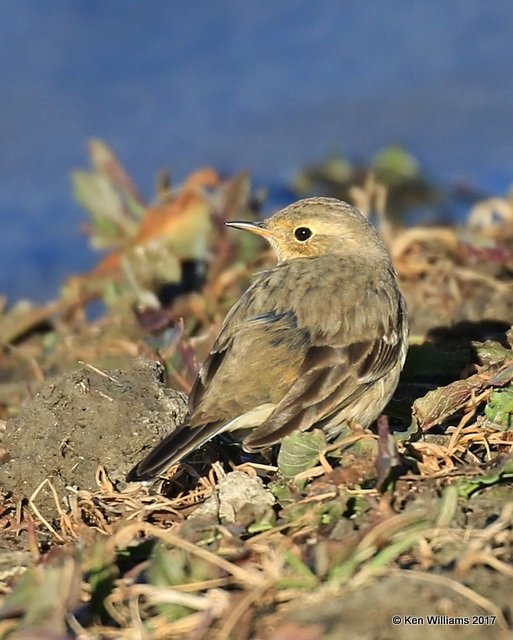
(266, 87)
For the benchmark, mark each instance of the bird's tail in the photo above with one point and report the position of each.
(172, 449)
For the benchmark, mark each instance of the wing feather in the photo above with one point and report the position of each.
(334, 377)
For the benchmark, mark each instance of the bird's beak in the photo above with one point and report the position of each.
(258, 228)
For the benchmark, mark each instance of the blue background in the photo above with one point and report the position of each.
(265, 86)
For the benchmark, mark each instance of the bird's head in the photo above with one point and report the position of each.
(315, 227)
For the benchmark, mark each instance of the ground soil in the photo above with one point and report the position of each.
(86, 418)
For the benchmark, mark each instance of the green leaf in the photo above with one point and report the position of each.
(44, 594)
(491, 352)
(447, 506)
(503, 376)
(499, 409)
(109, 217)
(300, 452)
(101, 573)
(170, 567)
(442, 403)
(394, 163)
(302, 578)
(468, 486)
(282, 492)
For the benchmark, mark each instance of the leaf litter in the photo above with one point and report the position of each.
(414, 518)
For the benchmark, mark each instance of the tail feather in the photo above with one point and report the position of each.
(172, 449)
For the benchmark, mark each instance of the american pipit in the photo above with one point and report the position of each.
(317, 341)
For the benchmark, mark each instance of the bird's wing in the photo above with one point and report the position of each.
(340, 366)
(303, 347)
(254, 362)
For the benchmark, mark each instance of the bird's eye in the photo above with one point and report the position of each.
(302, 233)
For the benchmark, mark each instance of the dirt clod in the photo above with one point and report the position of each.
(83, 419)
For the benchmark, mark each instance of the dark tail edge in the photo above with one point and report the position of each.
(171, 450)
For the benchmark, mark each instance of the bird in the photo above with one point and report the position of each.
(317, 341)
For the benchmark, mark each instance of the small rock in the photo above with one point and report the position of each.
(235, 492)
